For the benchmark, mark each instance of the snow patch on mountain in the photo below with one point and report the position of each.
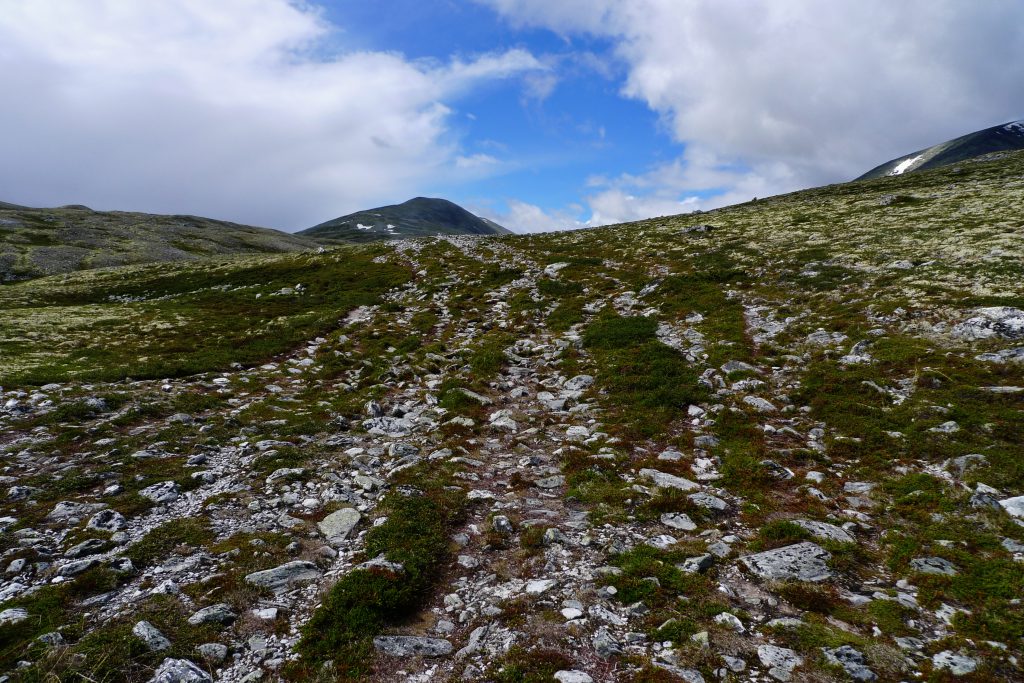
(905, 165)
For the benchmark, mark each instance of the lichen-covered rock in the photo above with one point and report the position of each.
(801, 561)
(412, 646)
(283, 577)
(179, 671)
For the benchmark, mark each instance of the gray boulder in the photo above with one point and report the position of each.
(802, 561)
(668, 481)
(108, 520)
(150, 635)
(954, 662)
(1001, 322)
(338, 525)
(282, 578)
(15, 615)
(852, 661)
(180, 671)
(933, 565)
(214, 614)
(164, 492)
(823, 531)
(412, 646)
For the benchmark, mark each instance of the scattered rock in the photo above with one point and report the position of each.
(338, 525)
(282, 578)
(179, 671)
(151, 636)
(803, 561)
(412, 646)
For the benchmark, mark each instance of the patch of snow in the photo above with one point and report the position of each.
(905, 165)
(364, 227)
(1015, 127)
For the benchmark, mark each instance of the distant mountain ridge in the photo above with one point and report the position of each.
(1002, 138)
(38, 242)
(419, 217)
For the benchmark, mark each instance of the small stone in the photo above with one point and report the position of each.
(573, 676)
(179, 671)
(108, 520)
(539, 586)
(678, 520)
(281, 578)
(339, 524)
(824, 531)
(579, 382)
(550, 482)
(708, 502)
(759, 404)
(852, 661)
(668, 481)
(780, 661)
(502, 525)
(698, 564)
(164, 492)
(933, 565)
(412, 646)
(150, 636)
(662, 542)
(214, 614)
(1014, 506)
(15, 615)
(956, 663)
(730, 621)
(604, 644)
(213, 652)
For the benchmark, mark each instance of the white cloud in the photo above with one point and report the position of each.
(476, 161)
(225, 108)
(521, 216)
(792, 93)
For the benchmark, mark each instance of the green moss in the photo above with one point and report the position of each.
(363, 603)
(649, 383)
(530, 666)
(161, 541)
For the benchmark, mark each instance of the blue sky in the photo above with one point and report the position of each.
(538, 114)
(548, 144)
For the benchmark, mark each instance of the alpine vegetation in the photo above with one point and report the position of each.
(780, 441)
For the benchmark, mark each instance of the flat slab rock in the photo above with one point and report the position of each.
(179, 671)
(802, 561)
(412, 646)
(1014, 506)
(281, 578)
(668, 481)
(338, 525)
(823, 531)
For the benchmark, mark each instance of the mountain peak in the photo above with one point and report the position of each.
(416, 217)
(1002, 138)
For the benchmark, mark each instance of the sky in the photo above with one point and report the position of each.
(539, 114)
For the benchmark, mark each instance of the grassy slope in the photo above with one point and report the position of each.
(35, 242)
(823, 258)
(828, 249)
(179, 318)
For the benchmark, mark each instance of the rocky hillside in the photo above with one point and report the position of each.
(1003, 138)
(419, 217)
(782, 441)
(36, 242)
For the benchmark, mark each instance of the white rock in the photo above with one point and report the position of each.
(573, 676)
(678, 520)
(668, 481)
(538, 586)
(1014, 506)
